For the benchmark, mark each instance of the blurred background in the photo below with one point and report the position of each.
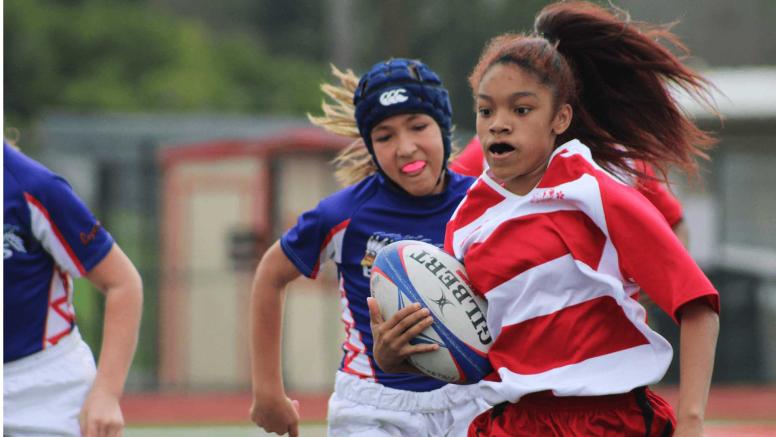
(182, 125)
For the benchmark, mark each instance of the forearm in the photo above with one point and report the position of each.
(273, 274)
(123, 308)
(266, 322)
(270, 409)
(699, 330)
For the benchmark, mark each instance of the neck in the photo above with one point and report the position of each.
(524, 184)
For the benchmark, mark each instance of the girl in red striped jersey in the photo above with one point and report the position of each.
(556, 240)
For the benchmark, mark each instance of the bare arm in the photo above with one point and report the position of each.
(271, 409)
(118, 279)
(699, 330)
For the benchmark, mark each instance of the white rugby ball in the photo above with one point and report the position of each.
(409, 271)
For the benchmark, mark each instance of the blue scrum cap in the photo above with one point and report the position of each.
(401, 86)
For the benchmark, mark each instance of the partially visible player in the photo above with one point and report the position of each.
(472, 162)
(50, 384)
(557, 242)
(399, 188)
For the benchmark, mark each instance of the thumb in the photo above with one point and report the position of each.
(293, 430)
(295, 403)
(374, 310)
(83, 423)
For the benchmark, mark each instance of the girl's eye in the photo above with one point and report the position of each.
(419, 127)
(382, 138)
(522, 110)
(483, 112)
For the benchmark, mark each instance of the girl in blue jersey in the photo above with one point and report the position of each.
(400, 190)
(50, 383)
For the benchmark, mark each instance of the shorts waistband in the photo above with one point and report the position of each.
(355, 389)
(51, 353)
(546, 399)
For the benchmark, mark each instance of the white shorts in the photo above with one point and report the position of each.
(360, 408)
(43, 392)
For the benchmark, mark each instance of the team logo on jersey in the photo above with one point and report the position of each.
(392, 97)
(377, 241)
(547, 195)
(87, 238)
(12, 242)
(375, 244)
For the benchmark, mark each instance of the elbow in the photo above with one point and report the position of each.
(714, 321)
(135, 283)
(700, 307)
(700, 313)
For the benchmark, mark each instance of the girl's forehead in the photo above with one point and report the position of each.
(507, 71)
(509, 80)
(402, 118)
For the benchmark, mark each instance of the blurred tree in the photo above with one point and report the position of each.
(126, 56)
(448, 34)
(287, 27)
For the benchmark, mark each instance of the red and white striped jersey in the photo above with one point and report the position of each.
(558, 267)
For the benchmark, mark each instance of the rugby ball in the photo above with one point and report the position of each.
(408, 271)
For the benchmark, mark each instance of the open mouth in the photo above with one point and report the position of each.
(500, 148)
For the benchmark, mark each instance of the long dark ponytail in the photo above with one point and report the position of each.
(617, 75)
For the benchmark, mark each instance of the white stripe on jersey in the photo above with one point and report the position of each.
(333, 250)
(602, 375)
(356, 361)
(45, 232)
(332, 246)
(60, 314)
(505, 307)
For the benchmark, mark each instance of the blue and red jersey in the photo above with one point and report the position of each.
(350, 227)
(49, 237)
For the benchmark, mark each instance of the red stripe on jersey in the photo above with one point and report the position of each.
(568, 336)
(564, 170)
(65, 299)
(567, 169)
(54, 339)
(526, 242)
(326, 241)
(449, 231)
(486, 197)
(31, 199)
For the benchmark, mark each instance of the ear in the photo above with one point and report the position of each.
(562, 119)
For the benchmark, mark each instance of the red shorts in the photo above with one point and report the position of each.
(637, 413)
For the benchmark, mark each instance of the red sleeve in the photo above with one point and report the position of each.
(658, 195)
(449, 229)
(650, 254)
(470, 161)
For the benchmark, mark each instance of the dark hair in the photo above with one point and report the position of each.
(616, 75)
